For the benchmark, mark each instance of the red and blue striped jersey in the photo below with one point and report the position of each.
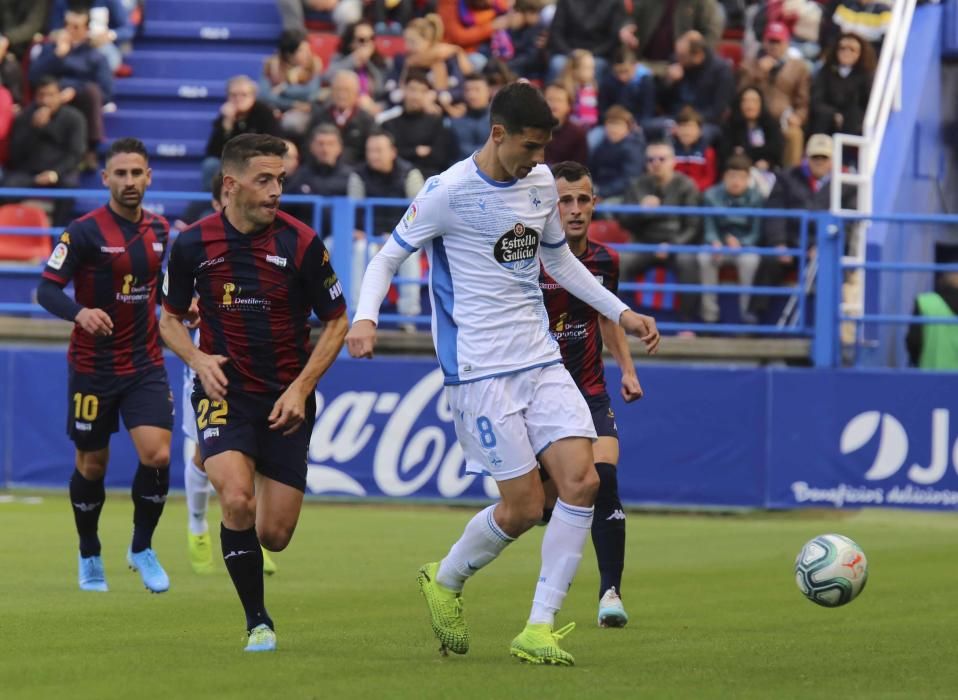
(575, 325)
(255, 293)
(115, 265)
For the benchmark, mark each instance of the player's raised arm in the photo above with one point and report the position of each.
(420, 224)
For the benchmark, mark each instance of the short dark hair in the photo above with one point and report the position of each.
(379, 131)
(126, 145)
(570, 171)
(520, 106)
(476, 78)
(689, 114)
(217, 187)
(239, 150)
(289, 41)
(738, 161)
(623, 54)
(328, 130)
(45, 81)
(417, 75)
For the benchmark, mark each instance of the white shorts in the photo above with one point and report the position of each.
(188, 418)
(504, 423)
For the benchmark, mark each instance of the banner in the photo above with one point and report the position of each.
(709, 437)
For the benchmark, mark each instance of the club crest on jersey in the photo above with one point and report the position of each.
(517, 248)
(132, 292)
(534, 197)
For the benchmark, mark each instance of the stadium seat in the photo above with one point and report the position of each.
(389, 46)
(324, 45)
(607, 231)
(24, 248)
(731, 51)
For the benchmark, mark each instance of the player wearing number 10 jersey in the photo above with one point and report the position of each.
(485, 224)
(113, 257)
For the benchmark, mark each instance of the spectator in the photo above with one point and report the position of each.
(81, 70)
(110, 26)
(579, 25)
(391, 16)
(629, 84)
(498, 75)
(472, 129)
(655, 25)
(290, 81)
(753, 132)
(340, 13)
(804, 187)
(731, 231)
(20, 22)
(784, 83)
(701, 80)
(934, 346)
(386, 175)
(344, 111)
(568, 139)
(358, 54)
(619, 157)
(842, 87)
(578, 77)
(47, 144)
(661, 185)
(445, 65)
(527, 40)
(471, 24)
(324, 170)
(868, 19)
(11, 76)
(421, 138)
(242, 113)
(694, 157)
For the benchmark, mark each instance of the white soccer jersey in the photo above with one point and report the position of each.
(482, 238)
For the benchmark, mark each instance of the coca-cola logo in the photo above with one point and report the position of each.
(404, 459)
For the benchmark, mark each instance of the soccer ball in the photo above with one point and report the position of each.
(831, 570)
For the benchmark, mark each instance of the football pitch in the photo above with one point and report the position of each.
(714, 609)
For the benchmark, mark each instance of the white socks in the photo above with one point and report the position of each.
(481, 542)
(562, 545)
(197, 498)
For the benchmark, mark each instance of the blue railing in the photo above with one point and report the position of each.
(814, 302)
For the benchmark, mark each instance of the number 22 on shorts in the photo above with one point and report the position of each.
(211, 413)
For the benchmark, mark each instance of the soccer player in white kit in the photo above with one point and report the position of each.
(485, 223)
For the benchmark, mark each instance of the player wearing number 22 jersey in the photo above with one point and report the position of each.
(485, 224)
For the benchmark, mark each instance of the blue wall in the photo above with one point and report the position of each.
(713, 437)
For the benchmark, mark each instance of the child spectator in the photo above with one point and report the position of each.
(629, 84)
(578, 77)
(693, 156)
(527, 40)
(619, 157)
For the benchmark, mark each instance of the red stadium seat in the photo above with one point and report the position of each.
(24, 248)
(389, 46)
(608, 231)
(731, 51)
(324, 46)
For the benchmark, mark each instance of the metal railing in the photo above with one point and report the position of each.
(813, 308)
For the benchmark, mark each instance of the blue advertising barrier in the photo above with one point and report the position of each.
(707, 437)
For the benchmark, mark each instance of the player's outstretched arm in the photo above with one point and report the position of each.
(289, 411)
(361, 339)
(209, 368)
(613, 336)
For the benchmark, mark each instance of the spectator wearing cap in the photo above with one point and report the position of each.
(619, 157)
(568, 138)
(730, 230)
(842, 87)
(699, 79)
(804, 187)
(785, 84)
(421, 138)
(694, 157)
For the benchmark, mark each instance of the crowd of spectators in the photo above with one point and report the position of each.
(646, 92)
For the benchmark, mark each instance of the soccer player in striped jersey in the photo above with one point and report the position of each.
(485, 224)
(258, 274)
(581, 332)
(113, 256)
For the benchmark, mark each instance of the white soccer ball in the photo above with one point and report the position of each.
(831, 570)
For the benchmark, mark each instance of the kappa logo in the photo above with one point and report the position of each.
(87, 507)
(617, 514)
(893, 446)
(157, 498)
(237, 553)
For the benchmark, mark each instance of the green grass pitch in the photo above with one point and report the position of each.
(715, 612)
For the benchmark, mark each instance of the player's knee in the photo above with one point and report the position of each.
(521, 516)
(276, 537)
(239, 507)
(157, 457)
(582, 488)
(92, 465)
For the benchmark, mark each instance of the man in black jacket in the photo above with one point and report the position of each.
(421, 138)
(343, 111)
(584, 25)
(699, 79)
(323, 172)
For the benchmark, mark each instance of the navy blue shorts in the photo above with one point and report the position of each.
(602, 415)
(95, 404)
(241, 423)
